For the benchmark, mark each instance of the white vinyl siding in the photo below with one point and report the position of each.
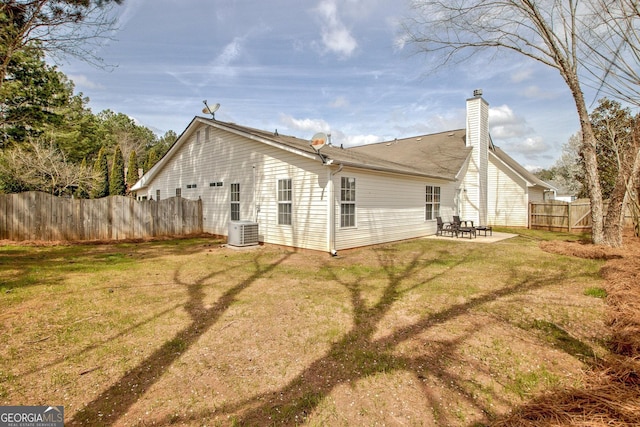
(507, 199)
(390, 207)
(228, 158)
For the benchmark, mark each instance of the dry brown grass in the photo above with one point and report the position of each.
(186, 332)
(610, 395)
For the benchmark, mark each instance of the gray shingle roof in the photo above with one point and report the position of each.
(442, 154)
(419, 159)
(439, 155)
(519, 169)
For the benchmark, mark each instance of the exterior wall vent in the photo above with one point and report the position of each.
(243, 233)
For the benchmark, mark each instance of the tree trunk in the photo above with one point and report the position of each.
(588, 153)
(624, 189)
(614, 221)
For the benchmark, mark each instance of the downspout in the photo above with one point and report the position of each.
(332, 211)
(255, 204)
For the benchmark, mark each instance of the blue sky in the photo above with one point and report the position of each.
(304, 66)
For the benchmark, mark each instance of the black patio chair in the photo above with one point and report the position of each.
(463, 227)
(444, 228)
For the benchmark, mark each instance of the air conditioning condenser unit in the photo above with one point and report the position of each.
(243, 233)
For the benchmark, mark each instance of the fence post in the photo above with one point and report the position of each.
(569, 217)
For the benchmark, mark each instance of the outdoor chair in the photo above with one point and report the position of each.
(462, 229)
(444, 228)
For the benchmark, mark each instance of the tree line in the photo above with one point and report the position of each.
(50, 140)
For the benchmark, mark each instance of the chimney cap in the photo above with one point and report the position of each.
(477, 92)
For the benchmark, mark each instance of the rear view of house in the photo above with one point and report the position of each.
(337, 198)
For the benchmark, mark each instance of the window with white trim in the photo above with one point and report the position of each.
(347, 202)
(235, 202)
(432, 202)
(285, 200)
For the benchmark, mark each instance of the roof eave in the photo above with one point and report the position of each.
(391, 170)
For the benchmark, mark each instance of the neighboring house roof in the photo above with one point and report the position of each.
(530, 178)
(561, 189)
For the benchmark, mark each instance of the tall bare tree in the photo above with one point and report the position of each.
(612, 50)
(552, 32)
(59, 27)
(40, 166)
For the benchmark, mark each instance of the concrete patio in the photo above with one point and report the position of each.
(480, 237)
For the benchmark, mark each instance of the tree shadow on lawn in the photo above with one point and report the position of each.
(111, 404)
(358, 355)
(29, 264)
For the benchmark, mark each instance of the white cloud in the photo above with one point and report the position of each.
(504, 123)
(129, 10)
(336, 37)
(533, 145)
(536, 92)
(354, 140)
(80, 80)
(340, 102)
(522, 75)
(230, 53)
(309, 125)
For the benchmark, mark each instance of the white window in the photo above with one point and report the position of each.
(235, 202)
(348, 202)
(178, 192)
(285, 198)
(432, 203)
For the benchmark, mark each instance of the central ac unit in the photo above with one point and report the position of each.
(243, 233)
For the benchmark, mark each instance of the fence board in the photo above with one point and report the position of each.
(40, 216)
(563, 216)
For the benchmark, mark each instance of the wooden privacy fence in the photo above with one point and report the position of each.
(555, 215)
(41, 216)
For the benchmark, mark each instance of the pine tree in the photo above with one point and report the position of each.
(117, 186)
(101, 180)
(152, 159)
(132, 170)
(82, 192)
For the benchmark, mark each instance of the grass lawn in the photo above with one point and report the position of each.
(186, 332)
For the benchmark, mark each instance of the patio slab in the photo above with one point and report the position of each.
(480, 238)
